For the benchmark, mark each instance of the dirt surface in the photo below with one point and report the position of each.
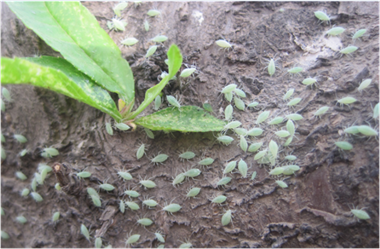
(314, 211)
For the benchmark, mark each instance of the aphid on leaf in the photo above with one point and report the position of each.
(187, 155)
(229, 88)
(122, 126)
(98, 242)
(193, 192)
(151, 51)
(348, 50)
(173, 101)
(187, 72)
(229, 167)
(122, 206)
(240, 93)
(148, 183)
(243, 169)
(159, 38)
(159, 158)
(364, 84)
(84, 231)
(228, 112)
(25, 192)
(255, 147)
(21, 176)
(146, 25)
(322, 16)
(239, 104)
(223, 44)
(276, 120)
(253, 175)
(132, 205)
(145, 222)
(254, 132)
(179, 179)
(109, 128)
(321, 111)
(55, 216)
(344, 145)
(359, 34)
(367, 131)
(282, 184)
(243, 143)
(120, 7)
(20, 138)
(262, 117)
(149, 133)
(21, 219)
(346, 100)
(130, 41)
(224, 181)
(140, 152)
(206, 162)
(294, 101)
(335, 31)
(153, 13)
(36, 196)
(294, 116)
(117, 24)
(288, 94)
(172, 208)
(295, 70)
(226, 218)
(360, 214)
(226, 140)
(132, 239)
(219, 199)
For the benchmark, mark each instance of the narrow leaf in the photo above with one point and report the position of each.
(58, 75)
(175, 62)
(185, 119)
(68, 27)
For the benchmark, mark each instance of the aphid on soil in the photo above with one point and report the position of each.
(145, 222)
(6, 94)
(294, 101)
(21, 176)
(49, 152)
(364, 84)
(290, 169)
(321, 111)
(159, 158)
(360, 214)
(262, 117)
(153, 13)
(335, 31)
(253, 104)
(240, 93)
(193, 192)
(239, 104)
(352, 129)
(223, 44)
(2, 138)
(117, 24)
(219, 199)
(159, 38)
(84, 231)
(25, 192)
(131, 193)
(157, 102)
(149, 133)
(146, 25)
(96, 200)
(84, 174)
(295, 70)
(106, 187)
(322, 16)
(273, 148)
(120, 7)
(98, 242)
(346, 101)
(140, 152)
(271, 68)
(228, 96)
(151, 51)
(290, 127)
(122, 206)
(23, 152)
(367, 131)
(359, 34)
(224, 181)
(109, 128)
(159, 237)
(260, 155)
(36, 196)
(148, 183)
(282, 184)
(255, 146)
(57, 186)
(348, 50)
(253, 175)
(21, 219)
(122, 126)
(291, 158)
(173, 101)
(132, 205)
(33, 184)
(56, 216)
(192, 173)
(132, 239)
(125, 175)
(288, 94)
(276, 120)
(187, 72)
(294, 116)
(282, 133)
(309, 81)
(150, 203)
(376, 111)
(186, 245)
(130, 41)
(20, 138)
(178, 179)
(187, 155)
(172, 208)
(229, 88)
(206, 162)
(228, 112)
(243, 169)
(243, 143)
(226, 218)
(93, 192)
(344, 145)
(229, 167)
(4, 235)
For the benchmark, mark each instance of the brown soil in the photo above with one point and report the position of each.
(314, 211)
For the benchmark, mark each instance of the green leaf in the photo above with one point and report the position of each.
(60, 76)
(68, 27)
(185, 119)
(175, 62)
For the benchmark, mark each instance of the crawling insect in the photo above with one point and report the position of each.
(229, 88)
(21, 176)
(376, 111)
(146, 25)
(348, 50)
(243, 143)
(187, 155)
(253, 104)
(290, 127)
(240, 93)
(228, 112)
(254, 132)
(367, 131)
(295, 70)
(322, 16)
(160, 158)
(310, 82)
(140, 152)
(282, 133)
(36, 196)
(282, 184)
(207, 107)
(98, 242)
(239, 104)
(120, 7)
(132, 205)
(132, 239)
(187, 72)
(193, 192)
(159, 38)
(229, 167)
(364, 84)
(153, 13)
(109, 129)
(149, 133)
(172, 208)
(130, 41)
(49, 152)
(360, 214)
(243, 169)
(106, 187)
(20, 138)
(178, 179)
(157, 102)
(159, 237)
(132, 193)
(55, 216)
(84, 231)
(150, 203)
(223, 181)
(346, 101)
(122, 126)
(294, 116)
(122, 206)
(6, 94)
(25, 192)
(145, 222)
(21, 219)
(84, 174)
(359, 34)
(206, 162)
(151, 51)
(321, 111)
(241, 131)
(276, 120)
(223, 44)
(125, 175)
(335, 31)
(192, 173)
(262, 117)
(117, 24)
(219, 199)
(288, 94)
(255, 147)
(148, 183)
(344, 145)
(173, 101)
(294, 101)
(226, 218)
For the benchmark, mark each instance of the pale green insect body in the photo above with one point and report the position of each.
(273, 148)
(172, 208)
(148, 183)
(240, 93)
(226, 218)
(288, 94)
(98, 242)
(117, 24)
(206, 162)
(322, 16)
(352, 129)
(376, 111)
(262, 117)
(346, 100)
(348, 50)
(359, 34)
(230, 167)
(193, 192)
(149, 133)
(335, 31)
(25, 192)
(309, 81)
(132, 205)
(132, 239)
(159, 237)
(20, 138)
(295, 70)
(57, 186)
(321, 111)
(192, 173)
(125, 175)
(140, 151)
(49, 152)
(179, 179)
(224, 181)
(241, 131)
(253, 175)
(132, 193)
(282, 133)
(151, 51)
(260, 155)
(229, 88)
(146, 25)
(122, 126)
(282, 184)
(276, 171)
(173, 101)
(187, 72)
(294, 116)
(186, 245)
(122, 206)
(367, 131)
(160, 38)
(364, 84)
(6, 94)
(344, 145)
(21, 176)
(157, 102)
(153, 13)
(255, 147)
(23, 152)
(109, 129)
(145, 222)
(243, 168)
(291, 158)
(21, 219)
(84, 231)
(271, 68)
(93, 192)
(276, 120)
(120, 7)
(187, 155)
(106, 187)
(36, 196)
(253, 104)
(130, 41)
(223, 44)
(84, 174)
(290, 127)
(4, 235)
(228, 96)
(363, 215)
(150, 203)
(228, 112)
(294, 101)
(239, 104)
(243, 143)
(55, 216)
(160, 158)
(219, 199)
(207, 107)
